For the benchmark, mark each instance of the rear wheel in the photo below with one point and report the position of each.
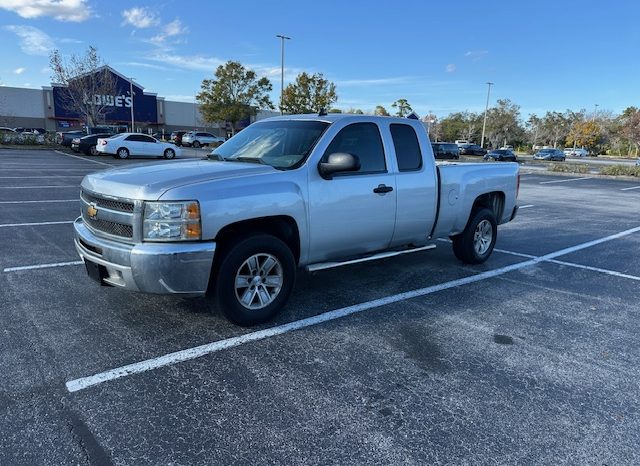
(255, 279)
(169, 154)
(196, 144)
(122, 153)
(475, 244)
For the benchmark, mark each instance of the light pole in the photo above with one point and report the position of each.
(486, 107)
(282, 39)
(595, 112)
(131, 94)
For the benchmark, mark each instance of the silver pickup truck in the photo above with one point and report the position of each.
(303, 191)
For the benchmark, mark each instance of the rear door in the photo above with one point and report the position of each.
(353, 213)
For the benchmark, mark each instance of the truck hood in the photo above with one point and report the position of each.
(150, 181)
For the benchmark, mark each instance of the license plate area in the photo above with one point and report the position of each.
(95, 271)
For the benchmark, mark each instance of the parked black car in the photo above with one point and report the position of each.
(445, 150)
(472, 149)
(65, 138)
(501, 155)
(176, 137)
(87, 144)
(550, 154)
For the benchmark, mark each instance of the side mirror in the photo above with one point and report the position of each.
(338, 162)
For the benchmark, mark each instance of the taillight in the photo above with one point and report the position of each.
(104, 143)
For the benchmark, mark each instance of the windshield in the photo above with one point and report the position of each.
(281, 144)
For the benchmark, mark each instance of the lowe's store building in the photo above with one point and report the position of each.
(43, 108)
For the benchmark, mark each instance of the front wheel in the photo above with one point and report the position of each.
(169, 154)
(255, 278)
(93, 150)
(475, 244)
(196, 144)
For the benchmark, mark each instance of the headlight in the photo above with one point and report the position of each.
(172, 221)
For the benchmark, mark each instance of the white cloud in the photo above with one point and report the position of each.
(62, 10)
(143, 65)
(33, 41)
(476, 55)
(193, 62)
(19, 70)
(45, 70)
(374, 81)
(172, 29)
(139, 18)
(450, 68)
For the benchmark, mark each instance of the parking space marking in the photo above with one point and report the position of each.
(41, 266)
(209, 348)
(565, 181)
(36, 202)
(525, 206)
(33, 224)
(37, 187)
(629, 189)
(596, 269)
(82, 158)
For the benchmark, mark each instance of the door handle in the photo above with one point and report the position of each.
(382, 188)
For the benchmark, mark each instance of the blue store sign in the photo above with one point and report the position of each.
(145, 107)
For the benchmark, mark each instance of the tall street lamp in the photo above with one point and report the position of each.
(131, 94)
(486, 107)
(282, 39)
(595, 112)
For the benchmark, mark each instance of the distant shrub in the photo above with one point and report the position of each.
(569, 167)
(620, 170)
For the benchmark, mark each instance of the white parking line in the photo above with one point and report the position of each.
(36, 202)
(525, 206)
(198, 351)
(36, 187)
(41, 266)
(596, 269)
(629, 189)
(33, 224)
(83, 159)
(565, 181)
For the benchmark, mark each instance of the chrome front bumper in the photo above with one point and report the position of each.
(163, 268)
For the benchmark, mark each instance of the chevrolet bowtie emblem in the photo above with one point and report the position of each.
(92, 211)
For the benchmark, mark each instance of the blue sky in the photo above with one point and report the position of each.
(543, 55)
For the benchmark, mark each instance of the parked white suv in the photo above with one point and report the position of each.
(571, 152)
(198, 138)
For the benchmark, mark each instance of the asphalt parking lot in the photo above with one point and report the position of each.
(530, 358)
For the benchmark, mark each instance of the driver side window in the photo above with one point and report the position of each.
(362, 140)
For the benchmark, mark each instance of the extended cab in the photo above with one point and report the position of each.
(304, 191)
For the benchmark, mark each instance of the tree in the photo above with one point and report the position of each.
(235, 94)
(585, 134)
(380, 111)
(335, 110)
(631, 125)
(309, 94)
(89, 85)
(503, 124)
(460, 125)
(403, 107)
(356, 111)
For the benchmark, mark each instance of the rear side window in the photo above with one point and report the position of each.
(407, 147)
(362, 140)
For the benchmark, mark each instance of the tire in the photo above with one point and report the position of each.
(169, 154)
(122, 153)
(93, 150)
(245, 259)
(475, 244)
(196, 144)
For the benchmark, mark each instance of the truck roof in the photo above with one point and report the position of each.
(332, 117)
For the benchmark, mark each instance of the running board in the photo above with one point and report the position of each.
(382, 255)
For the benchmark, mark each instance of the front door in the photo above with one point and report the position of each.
(352, 213)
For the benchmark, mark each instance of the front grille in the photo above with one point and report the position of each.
(108, 203)
(111, 228)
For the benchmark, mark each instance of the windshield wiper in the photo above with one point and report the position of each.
(251, 160)
(215, 154)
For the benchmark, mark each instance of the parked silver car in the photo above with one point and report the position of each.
(199, 138)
